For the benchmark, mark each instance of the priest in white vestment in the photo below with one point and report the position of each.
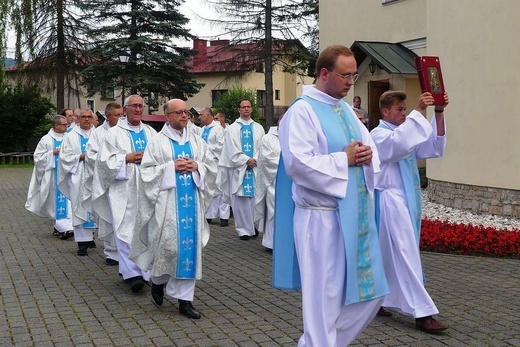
(213, 134)
(331, 159)
(177, 180)
(113, 111)
(43, 197)
(71, 176)
(116, 182)
(400, 141)
(237, 168)
(268, 160)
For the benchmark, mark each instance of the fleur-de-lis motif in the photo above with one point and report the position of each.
(140, 143)
(61, 197)
(187, 243)
(187, 263)
(186, 198)
(61, 209)
(248, 188)
(248, 174)
(185, 179)
(246, 133)
(84, 146)
(183, 155)
(247, 147)
(187, 222)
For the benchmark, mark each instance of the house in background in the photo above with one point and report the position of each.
(479, 59)
(221, 65)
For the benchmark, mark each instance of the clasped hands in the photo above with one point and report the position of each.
(358, 153)
(185, 165)
(134, 157)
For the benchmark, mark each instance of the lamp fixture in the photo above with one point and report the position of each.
(124, 58)
(372, 67)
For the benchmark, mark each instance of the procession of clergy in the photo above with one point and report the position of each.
(87, 179)
(152, 196)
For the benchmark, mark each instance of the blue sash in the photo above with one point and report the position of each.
(60, 199)
(246, 139)
(186, 202)
(364, 279)
(83, 145)
(205, 133)
(412, 188)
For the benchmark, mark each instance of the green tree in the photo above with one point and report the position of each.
(47, 33)
(269, 23)
(145, 31)
(23, 111)
(228, 103)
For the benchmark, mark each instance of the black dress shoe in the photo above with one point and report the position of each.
(244, 237)
(67, 235)
(56, 232)
(91, 244)
(111, 262)
(224, 223)
(158, 293)
(256, 232)
(136, 284)
(82, 248)
(186, 309)
(209, 220)
(383, 312)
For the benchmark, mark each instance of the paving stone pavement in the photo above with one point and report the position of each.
(51, 297)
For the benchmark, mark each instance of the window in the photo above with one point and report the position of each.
(260, 98)
(260, 68)
(90, 104)
(216, 94)
(277, 94)
(107, 93)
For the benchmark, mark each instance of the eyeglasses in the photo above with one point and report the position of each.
(353, 77)
(135, 106)
(86, 117)
(179, 112)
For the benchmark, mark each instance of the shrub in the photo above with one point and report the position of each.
(228, 103)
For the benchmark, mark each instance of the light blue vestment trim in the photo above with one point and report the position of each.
(365, 279)
(205, 133)
(412, 188)
(246, 139)
(61, 204)
(186, 202)
(90, 224)
(138, 141)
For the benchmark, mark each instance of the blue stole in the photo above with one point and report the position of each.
(138, 141)
(83, 145)
(412, 188)
(205, 133)
(246, 139)
(186, 202)
(60, 199)
(364, 278)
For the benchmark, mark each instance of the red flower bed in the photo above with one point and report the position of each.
(445, 237)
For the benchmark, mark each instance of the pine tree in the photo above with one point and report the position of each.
(47, 35)
(272, 24)
(145, 31)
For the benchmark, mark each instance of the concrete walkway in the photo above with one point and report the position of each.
(51, 297)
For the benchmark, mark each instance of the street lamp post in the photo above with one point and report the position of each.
(123, 59)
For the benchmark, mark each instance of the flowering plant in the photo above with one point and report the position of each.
(446, 237)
